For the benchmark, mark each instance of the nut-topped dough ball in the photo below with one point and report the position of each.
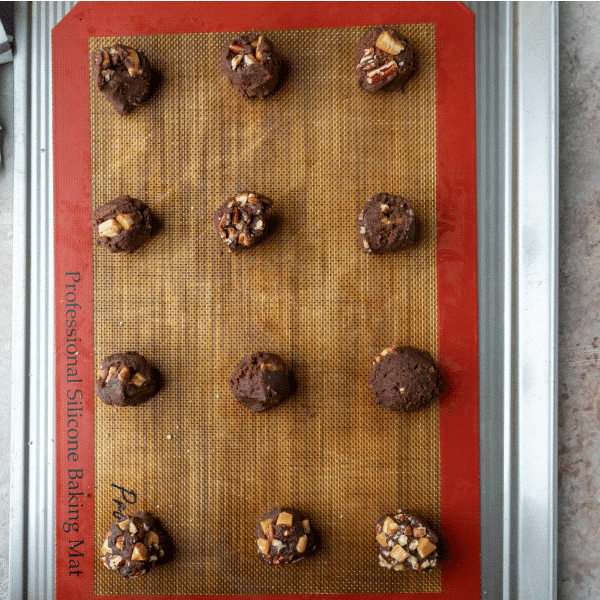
(405, 379)
(284, 536)
(384, 60)
(251, 65)
(386, 223)
(123, 75)
(243, 221)
(123, 224)
(406, 543)
(125, 380)
(133, 545)
(260, 381)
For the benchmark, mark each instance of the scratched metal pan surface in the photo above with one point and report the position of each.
(517, 253)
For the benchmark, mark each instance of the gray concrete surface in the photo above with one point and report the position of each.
(579, 302)
(6, 208)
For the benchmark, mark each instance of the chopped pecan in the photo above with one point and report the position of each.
(389, 44)
(382, 72)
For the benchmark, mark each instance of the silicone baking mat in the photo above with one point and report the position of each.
(319, 147)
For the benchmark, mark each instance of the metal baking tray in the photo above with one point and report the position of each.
(517, 133)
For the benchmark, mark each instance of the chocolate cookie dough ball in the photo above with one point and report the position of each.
(405, 379)
(123, 75)
(133, 545)
(260, 381)
(243, 221)
(406, 543)
(384, 60)
(284, 536)
(125, 380)
(386, 223)
(251, 65)
(123, 224)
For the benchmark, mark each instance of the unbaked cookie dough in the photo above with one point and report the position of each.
(260, 381)
(123, 224)
(406, 543)
(386, 223)
(405, 379)
(243, 221)
(133, 545)
(125, 380)
(284, 536)
(384, 60)
(123, 75)
(251, 65)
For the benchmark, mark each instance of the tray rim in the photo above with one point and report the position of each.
(523, 180)
(517, 157)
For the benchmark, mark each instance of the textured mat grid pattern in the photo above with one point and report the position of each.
(319, 147)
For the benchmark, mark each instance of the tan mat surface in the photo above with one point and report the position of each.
(319, 147)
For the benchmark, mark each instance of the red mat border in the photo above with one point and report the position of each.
(456, 251)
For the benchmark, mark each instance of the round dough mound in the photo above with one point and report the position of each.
(243, 221)
(284, 536)
(386, 223)
(406, 543)
(132, 545)
(125, 380)
(405, 379)
(123, 224)
(251, 65)
(384, 60)
(123, 75)
(260, 381)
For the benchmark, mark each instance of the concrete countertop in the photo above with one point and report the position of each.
(579, 300)
(6, 212)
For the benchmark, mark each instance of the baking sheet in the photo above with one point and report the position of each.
(33, 552)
